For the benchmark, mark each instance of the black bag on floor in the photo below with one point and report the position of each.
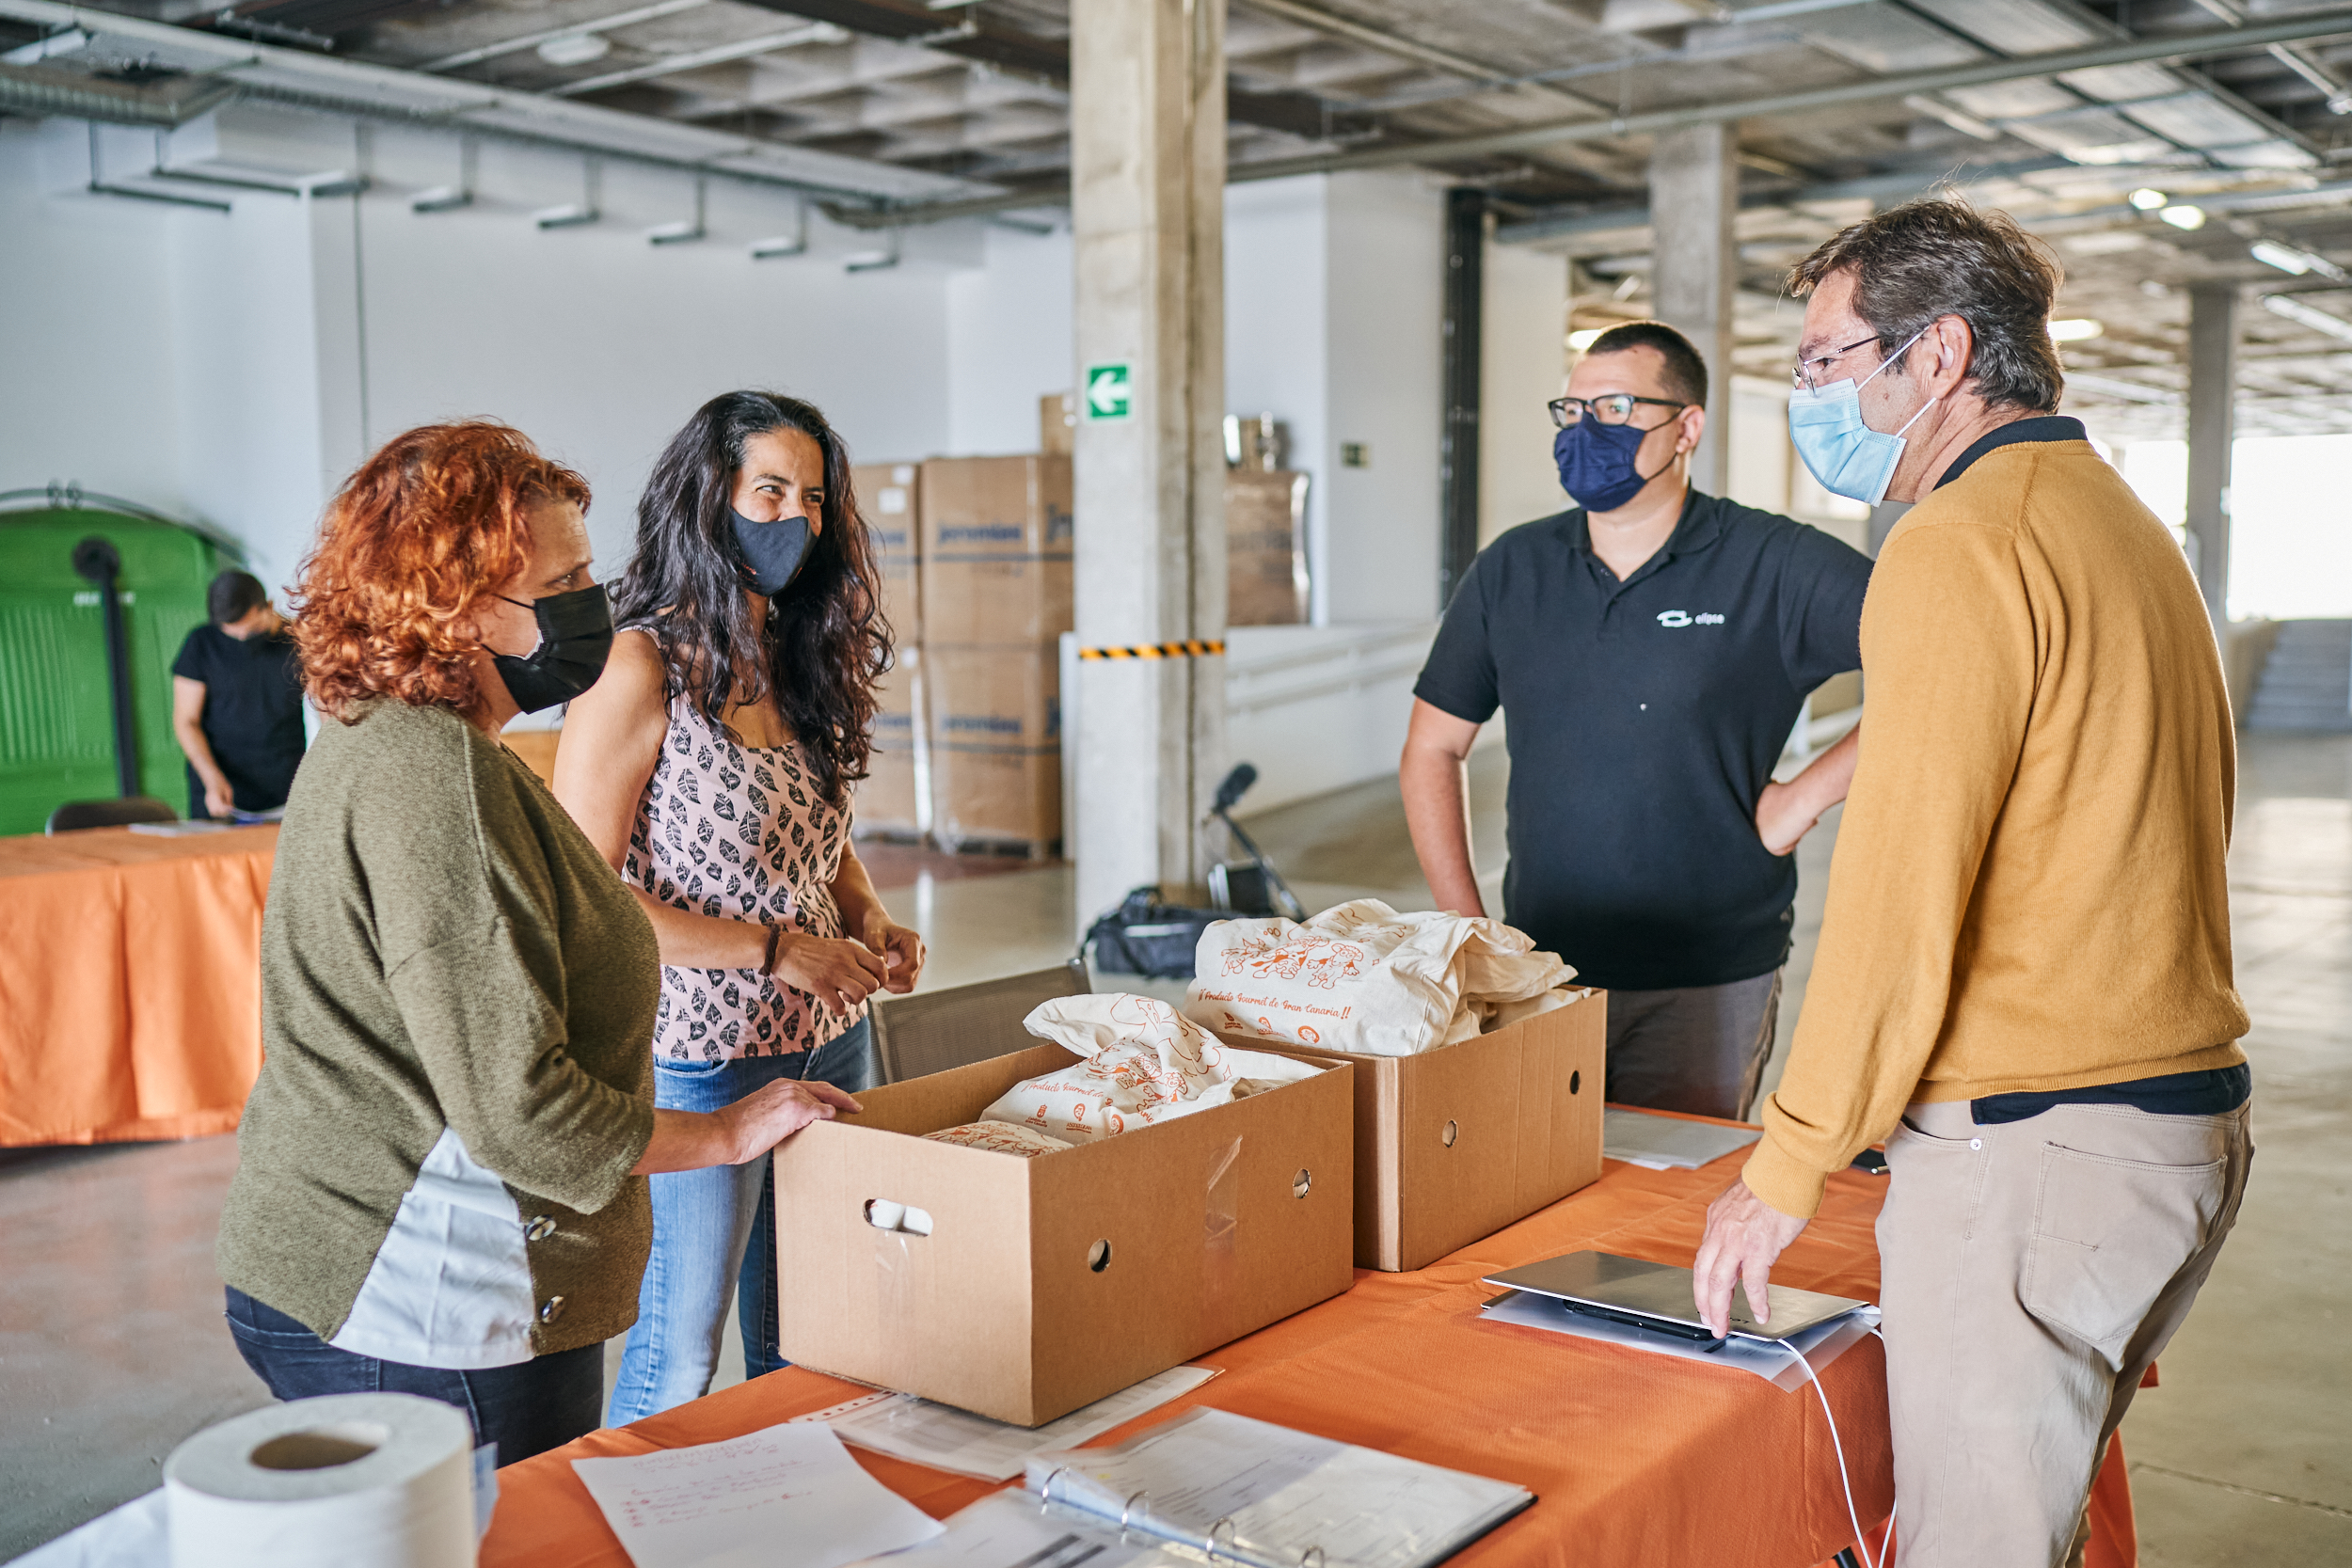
(1144, 935)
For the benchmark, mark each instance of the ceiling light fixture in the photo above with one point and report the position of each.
(440, 198)
(2304, 315)
(2146, 199)
(2074, 329)
(576, 49)
(768, 250)
(2183, 215)
(680, 232)
(870, 260)
(572, 215)
(2270, 253)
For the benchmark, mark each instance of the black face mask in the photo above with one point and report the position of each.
(769, 555)
(575, 638)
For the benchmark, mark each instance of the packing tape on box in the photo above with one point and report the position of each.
(1192, 648)
(360, 1480)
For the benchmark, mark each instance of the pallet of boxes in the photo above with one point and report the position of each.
(995, 571)
(893, 799)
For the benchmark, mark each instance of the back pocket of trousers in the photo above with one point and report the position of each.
(2109, 1235)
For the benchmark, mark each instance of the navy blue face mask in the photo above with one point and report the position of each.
(1597, 462)
(769, 555)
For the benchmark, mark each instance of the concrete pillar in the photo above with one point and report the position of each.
(1147, 105)
(1694, 196)
(2212, 428)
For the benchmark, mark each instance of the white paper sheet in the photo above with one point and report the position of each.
(1267, 1493)
(1008, 1530)
(137, 1535)
(1821, 1344)
(946, 1439)
(736, 1504)
(1668, 1143)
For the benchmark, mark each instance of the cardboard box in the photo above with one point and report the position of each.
(1046, 1284)
(1057, 425)
(1456, 1142)
(888, 496)
(996, 549)
(1265, 545)
(996, 744)
(895, 797)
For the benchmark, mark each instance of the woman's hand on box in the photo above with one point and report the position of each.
(837, 972)
(901, 950)
(774, 1112)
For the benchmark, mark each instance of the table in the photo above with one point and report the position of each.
(1635, 1458)
(129, 983)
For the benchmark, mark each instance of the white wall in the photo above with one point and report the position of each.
(1009, 342)
(1523, 364)
(230, 369)
(1386, 239)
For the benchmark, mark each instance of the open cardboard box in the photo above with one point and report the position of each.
(1044, 1284)
(1455, 1144)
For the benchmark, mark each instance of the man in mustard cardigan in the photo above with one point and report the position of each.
(2024, 980)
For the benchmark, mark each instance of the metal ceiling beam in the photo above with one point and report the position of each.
(2337, 19)
(695, 59)
(516, 44)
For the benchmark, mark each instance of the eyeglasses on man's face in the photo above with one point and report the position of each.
(1615, 409)
(1806, 376)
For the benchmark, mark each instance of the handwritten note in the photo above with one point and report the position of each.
(730, 1505)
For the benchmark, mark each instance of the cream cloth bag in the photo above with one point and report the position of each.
(1144, 1063)
(1361, 977)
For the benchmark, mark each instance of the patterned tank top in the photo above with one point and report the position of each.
(741, 832)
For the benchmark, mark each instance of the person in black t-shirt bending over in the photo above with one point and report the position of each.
(236, 703)
(1652, 650)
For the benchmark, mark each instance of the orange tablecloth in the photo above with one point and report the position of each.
(129, 983)
(1633, 1457)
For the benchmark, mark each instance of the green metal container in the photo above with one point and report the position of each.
(56, 731)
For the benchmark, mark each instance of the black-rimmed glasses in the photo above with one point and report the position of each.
(1615, 409)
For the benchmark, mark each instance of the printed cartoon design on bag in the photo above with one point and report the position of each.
(1361, 977)
(1141, 1062)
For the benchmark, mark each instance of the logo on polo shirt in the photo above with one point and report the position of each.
(1684, 618)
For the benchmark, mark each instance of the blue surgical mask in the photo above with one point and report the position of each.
(769, 555)
(1597, 462)
(1848, 456)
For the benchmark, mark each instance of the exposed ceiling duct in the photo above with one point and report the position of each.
(203, 62)
(2019, 68)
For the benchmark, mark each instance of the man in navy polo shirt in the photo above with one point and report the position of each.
(1651, 650)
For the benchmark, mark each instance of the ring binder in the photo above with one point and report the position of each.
(1311, 1555)
(1125, 1509)
(1045, 1493)
(1231, 1529)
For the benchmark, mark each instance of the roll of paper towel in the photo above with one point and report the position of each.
(360, 1480)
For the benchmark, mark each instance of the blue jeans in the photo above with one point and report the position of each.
(702, 1223)
(525, 1409)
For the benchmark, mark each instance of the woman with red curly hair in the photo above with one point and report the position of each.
(441, 1185)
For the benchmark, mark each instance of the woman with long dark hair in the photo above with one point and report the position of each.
(712, 766)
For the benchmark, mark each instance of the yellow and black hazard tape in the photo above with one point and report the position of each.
(1192, 648)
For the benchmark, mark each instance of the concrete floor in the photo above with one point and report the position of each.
(112, 1349)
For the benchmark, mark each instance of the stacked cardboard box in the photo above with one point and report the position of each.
(1265, 543)
(894, 799)
(995, 568)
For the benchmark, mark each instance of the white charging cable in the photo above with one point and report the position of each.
(1862, 1548)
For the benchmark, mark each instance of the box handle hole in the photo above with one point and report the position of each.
(883, 1214)
(1576, 1082)
(1448, 1133)
(1098, 1256)
(1301, 1184)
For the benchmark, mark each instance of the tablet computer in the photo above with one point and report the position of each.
(1659, 1295)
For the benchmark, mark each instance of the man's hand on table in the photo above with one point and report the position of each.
(1745, 1237)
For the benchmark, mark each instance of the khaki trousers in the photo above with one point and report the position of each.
(2031, 1271)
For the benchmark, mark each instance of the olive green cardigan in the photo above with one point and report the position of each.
(445, 953)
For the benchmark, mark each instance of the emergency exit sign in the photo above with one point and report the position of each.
(1110, 392)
